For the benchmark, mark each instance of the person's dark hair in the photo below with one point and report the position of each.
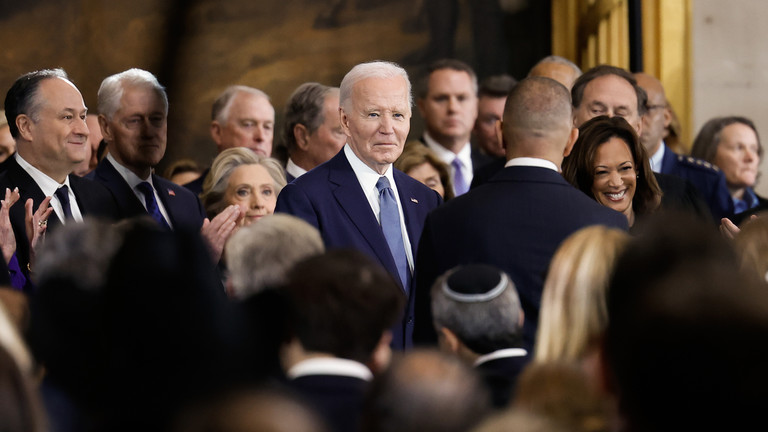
(342, 303)
(451, 64)
(578, 167)
(22, 96)
(496, 86)
(676, 299)
(577, 92)
(708, 138)
(305, 107)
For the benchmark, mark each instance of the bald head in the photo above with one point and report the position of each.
(537, 120)
(558, 68)
(657, 117)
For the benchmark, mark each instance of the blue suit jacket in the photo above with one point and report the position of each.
(183, 207)
(330, 198)
(515, 222)
(708, 180)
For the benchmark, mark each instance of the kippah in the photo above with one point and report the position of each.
(475, 283)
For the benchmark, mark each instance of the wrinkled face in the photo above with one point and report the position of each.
(329, 138)
(450, 106)
(490, 111)
(376, 120)
(252, 189)
(137, 132)
(7, 143)
(737, 155)
(250, 123)
(614, 176)
(60, 134)
(428, 175)
(608, 95)
(657, 116)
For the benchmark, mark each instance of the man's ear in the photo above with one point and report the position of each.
(106, 130)
(25, 124)
(667, 116)
(382, 354)
(301, 136)
(216, 134)
(574, 135)
(449, 341)
(344, 120)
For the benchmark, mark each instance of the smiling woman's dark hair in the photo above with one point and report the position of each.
(578, 167)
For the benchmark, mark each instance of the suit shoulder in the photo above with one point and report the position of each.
(695, 164)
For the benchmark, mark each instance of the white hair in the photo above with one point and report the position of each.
(111, 90)
(374, 69)
(222, 104)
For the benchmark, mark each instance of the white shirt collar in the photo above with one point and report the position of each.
(49, 186)
(657, 158)
(130, 177)
(368, 178)
(293, 169)
(502, 353)
(529, 161)
(330, 366)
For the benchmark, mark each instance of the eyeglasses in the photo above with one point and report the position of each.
(653, 107)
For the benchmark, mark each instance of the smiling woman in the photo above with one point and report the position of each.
(608, 164)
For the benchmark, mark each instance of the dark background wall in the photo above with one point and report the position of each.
(198, 47)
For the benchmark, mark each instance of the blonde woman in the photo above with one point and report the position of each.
(573, 306)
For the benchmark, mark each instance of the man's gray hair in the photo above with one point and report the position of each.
(374, 69)
(305, 107)
(220, 108)
(259, 255)
(483, 322)
(111, 90)
(558, 60)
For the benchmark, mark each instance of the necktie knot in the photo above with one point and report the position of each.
(382, 184)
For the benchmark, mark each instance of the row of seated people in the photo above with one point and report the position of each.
(555, 180)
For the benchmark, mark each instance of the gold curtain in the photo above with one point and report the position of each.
(592, 32)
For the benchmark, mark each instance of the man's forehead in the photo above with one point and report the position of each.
(610, 89)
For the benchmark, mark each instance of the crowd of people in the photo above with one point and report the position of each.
(539, 259)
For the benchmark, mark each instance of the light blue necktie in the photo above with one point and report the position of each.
(390, 225)
(152, 208)
(459, 184)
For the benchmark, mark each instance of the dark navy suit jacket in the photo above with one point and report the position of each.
(515, 222)
(92, 200)
(183, 207)
(709, 181)
(337, 398)
(330, 198)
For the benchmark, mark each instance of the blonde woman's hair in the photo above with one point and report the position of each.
(573, 305)
(215, 183)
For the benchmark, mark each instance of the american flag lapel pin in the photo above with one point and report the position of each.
(171, 192)
(414, 200)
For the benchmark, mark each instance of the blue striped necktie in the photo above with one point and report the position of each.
(390, 225)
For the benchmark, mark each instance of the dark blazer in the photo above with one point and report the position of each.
(479, 159)
(93, 199)
(680, 195)
(515, 222)
(183, 207)
(500, 377)
(338, 399)
(708, 180)
(330, 198)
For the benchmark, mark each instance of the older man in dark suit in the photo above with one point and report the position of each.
(46, 115)
(519, 217)
(357, 199)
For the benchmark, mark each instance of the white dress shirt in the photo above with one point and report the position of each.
(133, 181)
(49, 187)
(464, 156)
(330, 366)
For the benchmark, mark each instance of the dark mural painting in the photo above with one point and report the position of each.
(198, 47)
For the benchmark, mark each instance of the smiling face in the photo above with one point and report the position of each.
(428, 175)
(376, 120)
(137, 132)
(59, 135)
(252, 189)
(614, 176)
(737, 156)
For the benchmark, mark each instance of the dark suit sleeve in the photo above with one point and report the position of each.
(426, 272)
(294, 201)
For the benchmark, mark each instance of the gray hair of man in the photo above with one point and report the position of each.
(259, 255)
(111, 90)
(558, 60)
(486, 321)
(374, 69)
(220, 108)
(305, 107)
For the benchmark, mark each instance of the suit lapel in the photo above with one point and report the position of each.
(127, 203)
(410, 206)
(354, 203)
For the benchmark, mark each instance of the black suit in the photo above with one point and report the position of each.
(337, 398)
(500, 377)
(93, 199)
(183, 207)
(515, 222)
